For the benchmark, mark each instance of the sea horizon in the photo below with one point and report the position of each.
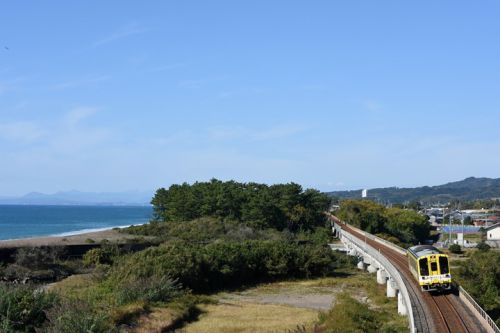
(34, 221)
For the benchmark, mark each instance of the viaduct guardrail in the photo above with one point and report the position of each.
(478, 311)
(386, 272)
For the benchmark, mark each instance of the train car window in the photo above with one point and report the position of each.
(434, 266)
(424, 268)
(443, 263)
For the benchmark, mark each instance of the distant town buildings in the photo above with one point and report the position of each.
(478, 217)
(483, 217)
(435, 214)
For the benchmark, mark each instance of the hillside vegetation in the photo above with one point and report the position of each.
(207, 237)
(401, 226)
(468, 189)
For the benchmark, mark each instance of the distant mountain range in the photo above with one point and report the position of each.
(136, 198)
(468, 189)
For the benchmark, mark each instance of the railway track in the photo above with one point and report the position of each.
(432, 312)
(450, 315)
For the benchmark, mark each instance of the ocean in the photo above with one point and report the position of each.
(24, 221)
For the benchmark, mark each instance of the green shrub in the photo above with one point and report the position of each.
(349, 315)
(106, 254)
(95, 257)
(152, 289)
(225, 264)
(37, 257)
(22, 308)
(455, 248)
(482, 246)
(77, 316)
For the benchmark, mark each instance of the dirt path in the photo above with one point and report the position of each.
(315, 298)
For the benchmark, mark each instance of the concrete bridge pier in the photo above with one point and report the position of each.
(381, 276)
(372, 268)
(401, 305)
(352, 252)
(361, 265)
(391, 288)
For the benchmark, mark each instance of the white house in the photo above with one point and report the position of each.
(493, 232)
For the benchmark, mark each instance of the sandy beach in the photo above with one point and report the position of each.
(96, 236)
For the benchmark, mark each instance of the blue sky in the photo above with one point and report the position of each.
(122, 95)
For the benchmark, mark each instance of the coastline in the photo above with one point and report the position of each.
(71, 238)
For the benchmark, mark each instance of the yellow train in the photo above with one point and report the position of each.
(430, 267)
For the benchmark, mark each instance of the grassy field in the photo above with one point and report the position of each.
(272, 307)
(283, 306)
(245, 317)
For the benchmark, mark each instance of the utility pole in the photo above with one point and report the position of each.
(463, 234)
(449, 222)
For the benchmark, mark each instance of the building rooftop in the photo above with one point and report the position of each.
(494, 226)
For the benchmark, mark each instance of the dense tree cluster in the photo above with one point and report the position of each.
(407, 226)
(261, 206)
(222, 265)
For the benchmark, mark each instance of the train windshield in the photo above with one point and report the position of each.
(424, 268)
(443, 263)
(434, 266)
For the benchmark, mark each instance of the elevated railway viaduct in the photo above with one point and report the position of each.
(427, 312)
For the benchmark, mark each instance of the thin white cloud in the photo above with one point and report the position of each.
(123, 32)
(23, 132)
(75, 116)
(67, 135)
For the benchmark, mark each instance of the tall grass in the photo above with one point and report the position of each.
(22, 308)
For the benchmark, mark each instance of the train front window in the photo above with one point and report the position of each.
(434, 266)
(443, 263)
(424, 268)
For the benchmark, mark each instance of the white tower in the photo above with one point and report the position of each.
(364, 193)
